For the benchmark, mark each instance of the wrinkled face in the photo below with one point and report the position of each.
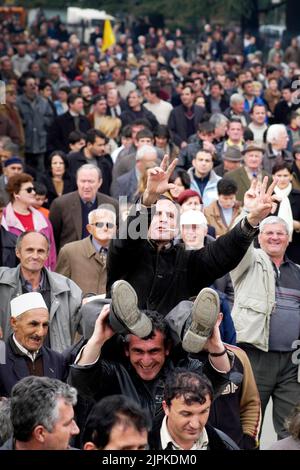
(164, 225)
(238, 107)
(25, 197)
(203, 164)
(282, 139)
(88, 183)
(191, 203)
(64, 428)
(14, 169)
(126, 438)
(186, 422)
(229, 165)
(103, 226)
(227, 201)
(235, 131)
(284, 177)
(259, 115)
(57, 166)
(31, 328)
(193, 235)
(147, 357)
(274, 240)
(33, 252)
(253, 159)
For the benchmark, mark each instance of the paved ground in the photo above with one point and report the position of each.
(268, 436)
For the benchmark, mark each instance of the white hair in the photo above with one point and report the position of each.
(144, 150)
(272, 220)
(103, 207)
(236, 98)
(273, 131)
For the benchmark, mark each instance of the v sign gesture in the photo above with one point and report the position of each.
(158, 181)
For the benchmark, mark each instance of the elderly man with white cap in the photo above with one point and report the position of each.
(25, 353)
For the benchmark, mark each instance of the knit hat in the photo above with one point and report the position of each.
(12, 161)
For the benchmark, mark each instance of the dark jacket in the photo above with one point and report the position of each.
(217, 440)
(104, 163)
(270, 159)
(293, 249)
(224, 103)
(126, 185)
(51, 191)
(58, 135)
(8, 248)
(128, 116)
(188, 153)
(66, 216)
(107, 377)
(15, 368)
(177, 123)
(163, 278)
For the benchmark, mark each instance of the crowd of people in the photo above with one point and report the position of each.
(149, 240)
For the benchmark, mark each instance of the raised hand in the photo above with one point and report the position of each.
(102, 332)
(260, 201)
(158, 180)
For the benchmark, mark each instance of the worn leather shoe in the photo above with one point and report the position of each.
(125, 308)
(204, 316)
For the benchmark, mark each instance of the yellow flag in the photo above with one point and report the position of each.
(108, 39)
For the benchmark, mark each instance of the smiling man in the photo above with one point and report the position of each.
(266, 317)
(25, 350)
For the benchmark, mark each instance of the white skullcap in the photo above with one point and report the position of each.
(193, 217)
(26, 302)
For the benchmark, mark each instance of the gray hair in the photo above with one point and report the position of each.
(272, 220)
(144, 150)
(103, 207)
(217, 119)
(34, 401)
(6, 429)
(236, 98)
(89, 166)
(273, 131)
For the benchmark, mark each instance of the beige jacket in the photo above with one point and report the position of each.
(254, 298)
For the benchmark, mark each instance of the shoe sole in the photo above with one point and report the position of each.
(124, 302)
(204, 316)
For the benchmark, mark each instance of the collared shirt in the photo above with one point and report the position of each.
(99, 248)
(28, 286)
(167, 441)
(32, 356)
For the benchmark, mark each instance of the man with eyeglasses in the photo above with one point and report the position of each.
(84, 261)
(267, 319)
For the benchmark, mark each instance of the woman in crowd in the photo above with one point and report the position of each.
(57, 181)
(20, 215)
(289, 207)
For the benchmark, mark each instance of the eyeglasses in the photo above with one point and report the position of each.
(102, 224)
(29, 190)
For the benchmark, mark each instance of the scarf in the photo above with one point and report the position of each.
(285, 211)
